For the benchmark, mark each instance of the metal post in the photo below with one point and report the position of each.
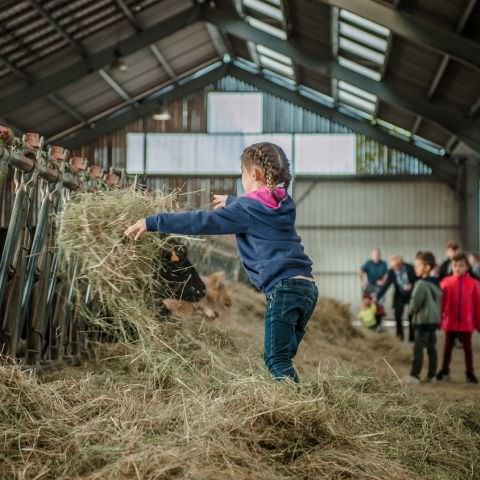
(469, 201)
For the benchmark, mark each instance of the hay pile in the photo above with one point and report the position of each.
(193, 402)
(126, 275)
(209, 413)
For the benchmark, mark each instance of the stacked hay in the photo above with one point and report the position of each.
(126, 275)
(192, 402)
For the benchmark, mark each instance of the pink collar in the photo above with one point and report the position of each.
(268, 198)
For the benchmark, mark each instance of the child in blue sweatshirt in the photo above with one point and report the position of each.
(263, 221)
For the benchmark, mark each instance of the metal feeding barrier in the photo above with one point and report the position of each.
(39, 319)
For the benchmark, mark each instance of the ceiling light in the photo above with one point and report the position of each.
(118, 63)
(162, 115)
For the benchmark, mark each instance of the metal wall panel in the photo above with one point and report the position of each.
(340, 221)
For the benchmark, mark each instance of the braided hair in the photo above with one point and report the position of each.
(271, 160)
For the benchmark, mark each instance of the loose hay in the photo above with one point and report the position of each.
(126, 275)
(197, 405)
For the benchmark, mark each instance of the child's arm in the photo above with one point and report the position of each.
(418, 299)
(231, 219)
(390, 279)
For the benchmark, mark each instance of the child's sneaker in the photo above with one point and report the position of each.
(412, 380)
(471, 378)
(441, 375)
(431, 379)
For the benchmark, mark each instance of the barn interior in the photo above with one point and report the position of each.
(376, 104)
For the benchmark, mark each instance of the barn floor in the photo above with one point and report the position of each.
(208, 411)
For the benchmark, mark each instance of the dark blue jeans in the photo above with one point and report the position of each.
(289, 307)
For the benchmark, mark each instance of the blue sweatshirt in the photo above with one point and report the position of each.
(267, 242)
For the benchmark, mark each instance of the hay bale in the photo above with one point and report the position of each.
(126, 275)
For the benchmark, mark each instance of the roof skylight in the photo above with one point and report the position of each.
(267, 15)
(356, 67)
(262, 50)
(358, 102)
(364, 23)
(276, 66)
(364, 52)
(267, 28)
(265, 8)
(357, 91)
(363, 37)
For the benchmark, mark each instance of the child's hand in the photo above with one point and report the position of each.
(136, 230)
(219, 201)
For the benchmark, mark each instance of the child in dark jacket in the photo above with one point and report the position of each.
(263, 221)
(425, 306)
(460, 314)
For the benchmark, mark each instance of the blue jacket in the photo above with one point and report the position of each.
(268, 244)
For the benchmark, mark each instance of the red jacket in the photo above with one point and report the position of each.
(460, 304)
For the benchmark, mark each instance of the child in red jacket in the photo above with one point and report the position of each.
(460, 314)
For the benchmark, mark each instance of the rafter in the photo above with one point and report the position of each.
(115, 86)
(414, 28)
(145, 107)
(66, 107)
(100, 59)
(136, 25)
(59, 102)
(46, 16)
(324, 63)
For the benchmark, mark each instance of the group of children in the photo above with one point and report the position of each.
(446, 298)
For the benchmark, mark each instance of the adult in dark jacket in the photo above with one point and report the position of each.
(402, 276)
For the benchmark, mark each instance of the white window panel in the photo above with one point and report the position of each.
(359, 35)
(363, 22)
(356, 67)
(262, 50)
(361, 51)
(135, 153)
(356, 91)
(265, 27)
(265, 8)
(325, 154)
(356, 101)
(235, 112)
(284, 141)
(206, 154)
(268, 62)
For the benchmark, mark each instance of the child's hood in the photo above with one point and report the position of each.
(268, 198)
(275, 208)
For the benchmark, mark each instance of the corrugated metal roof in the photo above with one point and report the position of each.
(311, 22)
(188, 47)
(411, 66)
(33, 43)
(459, 86)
